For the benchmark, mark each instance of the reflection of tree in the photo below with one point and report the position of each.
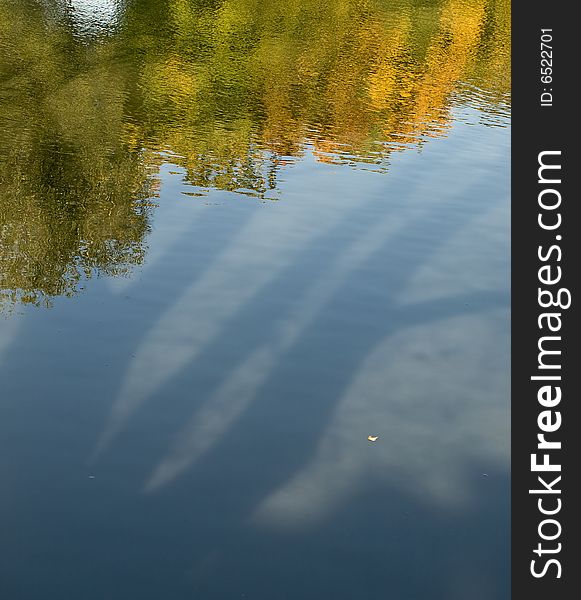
(342, 76)
(72, 188)
(233, 88)
(57, 227)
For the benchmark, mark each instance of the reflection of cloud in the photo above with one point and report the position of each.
(439, 404)
(220, 411)
(253, 259)
(482, 248)
(437, 394)
(240, 386)
(439, 389)
(263, 248)
(215, 417)
(261, 251)
(8, 330)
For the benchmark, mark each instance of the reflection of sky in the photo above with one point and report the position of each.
(93, 17)
(422, 384)
(8, 331)
(236, 377)
(424, 392)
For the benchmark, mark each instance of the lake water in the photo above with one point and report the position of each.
(238, 237)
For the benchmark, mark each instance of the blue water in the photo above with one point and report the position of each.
(201, 427)
(196, 425)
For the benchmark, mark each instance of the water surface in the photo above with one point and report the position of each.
(236, 238)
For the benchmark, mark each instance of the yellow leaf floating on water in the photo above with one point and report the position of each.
(373, 438)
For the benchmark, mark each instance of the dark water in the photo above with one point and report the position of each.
(236, 238)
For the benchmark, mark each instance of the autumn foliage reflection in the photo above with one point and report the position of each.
(233, 89)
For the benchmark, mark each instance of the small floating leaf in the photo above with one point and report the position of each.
(373, 438)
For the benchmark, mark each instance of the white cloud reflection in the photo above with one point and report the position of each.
(435, 392)
(254, 258)
(434, 396)
(210, 423)
(9, 326)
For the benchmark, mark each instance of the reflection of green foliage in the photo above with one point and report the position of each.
(232, 88)
(71, 189)
(59, 223)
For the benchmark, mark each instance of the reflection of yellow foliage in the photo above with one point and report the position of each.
(183, 89)
(341, 76)
(448, 58)
(385, 79)
(332, 74)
